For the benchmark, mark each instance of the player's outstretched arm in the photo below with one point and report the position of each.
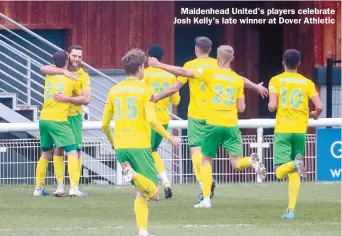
(176, 70)
(53, 70)
(107, 117)
(151, 118)
(259, 88)
(169, 92)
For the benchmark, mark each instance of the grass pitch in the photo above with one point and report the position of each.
(237, 209)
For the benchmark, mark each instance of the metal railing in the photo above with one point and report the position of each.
(32, 61)
(19, 157)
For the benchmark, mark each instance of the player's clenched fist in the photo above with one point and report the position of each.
(153, 62)
(175, 141)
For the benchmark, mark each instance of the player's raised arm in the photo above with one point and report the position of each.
(314, 97)
(53, 70)
(169, 92)
(107, 117)
(273, 96)
(176, 70)
(259, 88)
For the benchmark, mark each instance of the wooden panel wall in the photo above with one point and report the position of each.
(327, 38)
(106, 30)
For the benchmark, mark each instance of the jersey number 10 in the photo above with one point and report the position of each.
(131, 111)
(295, 99)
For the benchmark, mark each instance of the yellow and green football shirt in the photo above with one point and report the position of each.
(197, 88)
(130, 102)
(58, 111)
(160, 80)
(84, 81)
(223, 88)
(294, 92)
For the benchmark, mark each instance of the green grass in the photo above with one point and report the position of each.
(239, 209)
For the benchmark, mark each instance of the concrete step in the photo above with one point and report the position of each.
(28, 111)
(9, 99)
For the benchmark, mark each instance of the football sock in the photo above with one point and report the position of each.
(74, 172)
(141, 213)
(197, 164)
(294, 183)
(243, 163)
(284, 169)
(145, 185)
(58, 164)
(207, 180)
(158, 162)
(80, 164)
(41, 172)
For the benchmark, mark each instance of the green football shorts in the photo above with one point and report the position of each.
(141, 161)
(58, 133)
(229, 137)
(287, 146)
(156, 139)
(195, 131)
(77, 129)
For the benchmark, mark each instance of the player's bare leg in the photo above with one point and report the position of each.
(41, 173)
(58, 163)
(207, 175)
(241, 163)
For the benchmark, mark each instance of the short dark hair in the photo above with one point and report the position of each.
(291, 58)
(76, 47)
(133, 60)
(155, 50)
(60, 58)
(203, 43)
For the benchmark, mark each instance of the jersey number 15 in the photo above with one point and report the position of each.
(131, 111)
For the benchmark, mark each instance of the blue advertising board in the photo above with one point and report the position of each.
(329, 154)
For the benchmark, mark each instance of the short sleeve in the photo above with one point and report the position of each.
(85, 81)
(182, 79)
(77, 89)
(202, 74)
(273, 86)
(312, 89)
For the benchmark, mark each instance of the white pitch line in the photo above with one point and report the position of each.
(162, 226)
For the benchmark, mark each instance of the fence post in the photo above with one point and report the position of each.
(28, 82)
(260, 132)
(118, 173)
(180, 159)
